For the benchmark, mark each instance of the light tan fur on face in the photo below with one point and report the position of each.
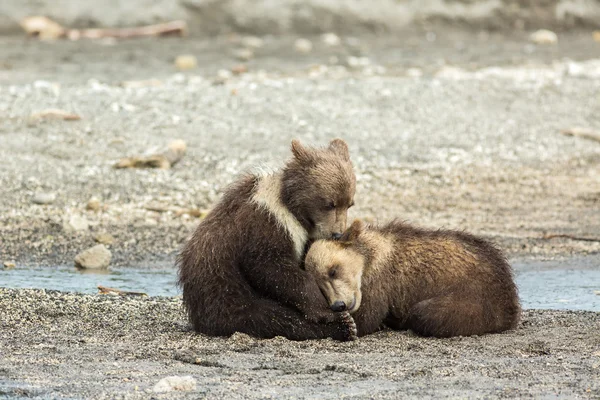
(349, 265)
(268, 196)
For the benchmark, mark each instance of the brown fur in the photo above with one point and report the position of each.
(437, 283)
(241, 269)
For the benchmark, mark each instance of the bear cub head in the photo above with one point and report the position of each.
(318, 187)
(338, 269)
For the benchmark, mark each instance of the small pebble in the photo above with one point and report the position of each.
(9, 264)
(596, 36)
(239, 69)
(331, 39)
(223, 75)
(104, 238)
(543, 36)
(93, 204)
(252, 42)
(93, 258)
(243, 54)
(75, 223)
(414, 72)
(358, 61)
(43, 198)
(303, 45)
(175, 383)
(186, 62)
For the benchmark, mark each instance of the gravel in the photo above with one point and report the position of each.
(122, 347)
(445, 128)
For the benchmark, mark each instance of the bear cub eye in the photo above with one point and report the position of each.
(332, 272)
(331, 205)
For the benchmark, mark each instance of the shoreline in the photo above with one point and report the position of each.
(121, 347)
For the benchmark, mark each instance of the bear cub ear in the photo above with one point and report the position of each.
(353, 231)
(300, 152)
(340, 148)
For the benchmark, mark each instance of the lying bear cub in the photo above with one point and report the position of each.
(437, 283)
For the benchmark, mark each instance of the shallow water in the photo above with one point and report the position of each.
(560, 285)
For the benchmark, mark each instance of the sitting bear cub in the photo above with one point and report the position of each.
(241, 269)
(437, 283)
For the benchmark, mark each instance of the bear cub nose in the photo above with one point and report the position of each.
(338, 306)
(336, 236)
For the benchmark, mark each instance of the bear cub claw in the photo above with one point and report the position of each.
(351, 333)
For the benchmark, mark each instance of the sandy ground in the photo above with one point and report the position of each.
(80, 346)
(455, 129)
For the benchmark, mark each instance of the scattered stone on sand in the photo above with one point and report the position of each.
(96, 257)
(252, 42)
(42, 27)
(165, 160)
(584, 133)
(93, 204)
(74, 223)
(55, 113)
(239, 69)
(186, 62)
(543, 36)
(331, 39)
(356, 62)
(452, 73)
(118, 292)
(9, 264)
(175, 383)
(303, 45)
(48, 87)
(104, 238)
(223, 75)
(414, 72)
(243, 54)
(43, 198)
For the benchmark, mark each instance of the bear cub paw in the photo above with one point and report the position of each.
(351, 333)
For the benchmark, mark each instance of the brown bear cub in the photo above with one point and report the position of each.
(241, 269)
(437, 283)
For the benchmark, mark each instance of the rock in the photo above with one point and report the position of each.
(243, 54)
(93, 258)
(223, 75)
(543, 36)
(55, 114)
(9, 264)
(43, 198)
(596, 36)
(93, 204)
(239, 69)
(356, 62)
(454, 73)
(252, 42)
(75, 223)
(303, 45)
(104, 238)
(42, 27)
(173, 383)
(331, 39)
(186, 62)
(414, 72)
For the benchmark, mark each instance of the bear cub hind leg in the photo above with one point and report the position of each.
(460, 312)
